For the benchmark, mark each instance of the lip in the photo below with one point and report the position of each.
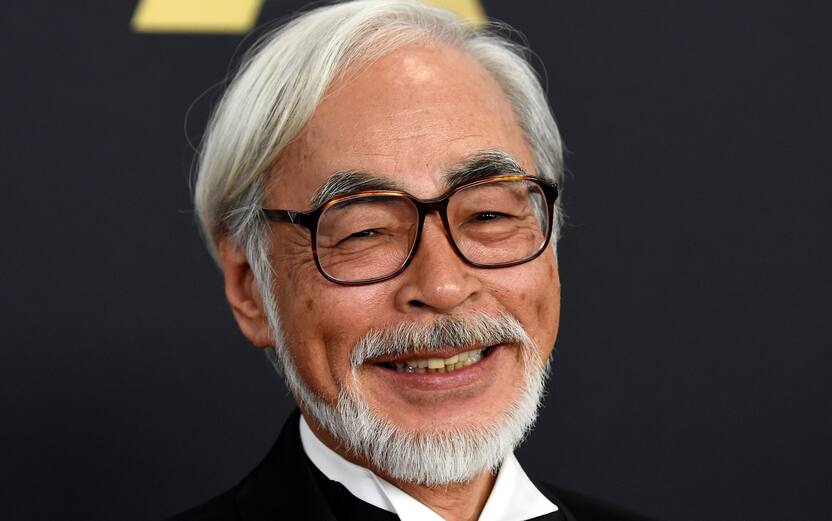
(467, 376)
(438, 353)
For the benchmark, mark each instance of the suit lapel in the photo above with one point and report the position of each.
(558, 515)
(283, 486)
(562, 514)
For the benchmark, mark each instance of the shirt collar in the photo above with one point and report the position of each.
(513, 498)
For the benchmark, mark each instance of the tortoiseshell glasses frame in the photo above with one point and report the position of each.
(310, 219)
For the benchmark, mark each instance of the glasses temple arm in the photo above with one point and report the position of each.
(282, 216)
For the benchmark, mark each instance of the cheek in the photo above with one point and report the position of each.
(533, 297)
(548, 308)
(322, 323)
(548, 305)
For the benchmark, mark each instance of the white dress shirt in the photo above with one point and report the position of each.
(513, 498)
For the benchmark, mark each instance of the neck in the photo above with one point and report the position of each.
(453, 501)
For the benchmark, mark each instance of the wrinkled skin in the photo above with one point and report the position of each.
(411, 116)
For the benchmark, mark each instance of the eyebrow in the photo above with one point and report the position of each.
(482, 165)
(346, 182)
(478, 166)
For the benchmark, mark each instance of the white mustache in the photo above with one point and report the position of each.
(411, 339)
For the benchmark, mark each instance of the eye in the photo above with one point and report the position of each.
(487, 216)
(363, 233)
(356, 237)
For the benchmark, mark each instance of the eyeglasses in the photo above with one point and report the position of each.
(372, 236)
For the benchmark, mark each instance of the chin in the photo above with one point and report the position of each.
(453, 451)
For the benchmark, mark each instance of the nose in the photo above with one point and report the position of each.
(437, 279)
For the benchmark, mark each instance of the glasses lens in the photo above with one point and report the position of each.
(366, 237)
(500, 222)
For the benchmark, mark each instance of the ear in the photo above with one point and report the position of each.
(243, 295)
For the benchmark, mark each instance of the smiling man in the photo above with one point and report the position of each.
(379, 186)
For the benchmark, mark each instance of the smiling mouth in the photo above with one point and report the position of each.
(439, 365)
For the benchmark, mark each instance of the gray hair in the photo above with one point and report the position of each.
(278, 86)
(429, 456)
(283, 78)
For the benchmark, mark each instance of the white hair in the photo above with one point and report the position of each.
(429, 456)
(273, 94)
(285, 75)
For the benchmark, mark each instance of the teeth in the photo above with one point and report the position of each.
(440, 365)
(435, 363)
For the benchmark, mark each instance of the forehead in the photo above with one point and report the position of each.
(410, 117)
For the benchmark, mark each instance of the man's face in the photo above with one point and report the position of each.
(410, 117)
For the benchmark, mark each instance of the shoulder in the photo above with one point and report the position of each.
(581, 507)
(282, 478)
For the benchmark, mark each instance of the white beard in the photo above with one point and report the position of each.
(430, 456)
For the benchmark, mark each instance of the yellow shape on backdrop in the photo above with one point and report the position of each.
(469, 10)
(239, 16)
(195, 16)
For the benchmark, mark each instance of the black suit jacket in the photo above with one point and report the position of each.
(286, 485)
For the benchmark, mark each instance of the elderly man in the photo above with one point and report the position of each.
(379, 186)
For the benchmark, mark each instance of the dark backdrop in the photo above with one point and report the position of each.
(692, 370)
